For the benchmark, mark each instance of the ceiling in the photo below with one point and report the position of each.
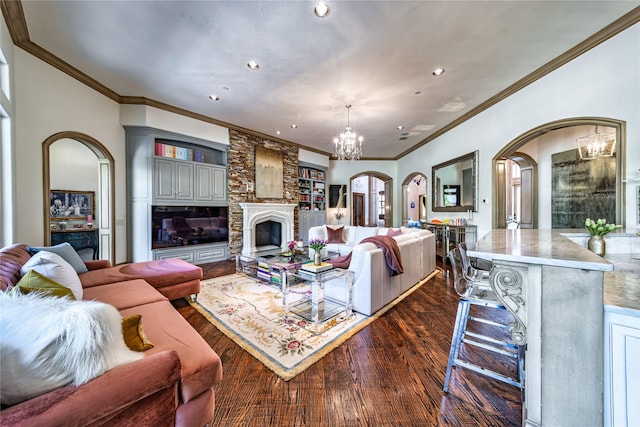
(377, 56)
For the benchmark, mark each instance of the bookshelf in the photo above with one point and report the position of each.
(312, 199)
(311, 189)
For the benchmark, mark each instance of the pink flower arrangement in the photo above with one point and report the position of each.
(292, 245)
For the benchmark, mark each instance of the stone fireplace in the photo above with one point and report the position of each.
(266, 226)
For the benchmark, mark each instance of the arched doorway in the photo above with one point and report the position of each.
(414, 198)
(518, 190)
(371, 199)
(499, 206)
(104, 194)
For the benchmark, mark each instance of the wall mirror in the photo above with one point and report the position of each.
(454, 184)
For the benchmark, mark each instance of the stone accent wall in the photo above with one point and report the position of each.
(241, 170)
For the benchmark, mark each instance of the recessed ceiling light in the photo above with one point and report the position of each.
(438, 71)
(418, 92)
(294, 126)
(321, 9)
(214, 97)
(400, 127)
(253, 65)
(277, 132)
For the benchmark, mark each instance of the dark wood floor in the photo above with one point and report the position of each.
(389, 374)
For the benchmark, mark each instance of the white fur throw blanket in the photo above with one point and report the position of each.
(48, 342)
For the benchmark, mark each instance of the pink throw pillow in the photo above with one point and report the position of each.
(394, 232)
(334, 235)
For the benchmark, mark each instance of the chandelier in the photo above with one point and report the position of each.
(596, 145)
(348, 143)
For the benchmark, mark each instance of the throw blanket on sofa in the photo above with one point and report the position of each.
(389, 248)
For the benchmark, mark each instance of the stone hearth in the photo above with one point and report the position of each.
(257, 213)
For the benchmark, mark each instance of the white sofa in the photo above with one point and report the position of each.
(373, 285)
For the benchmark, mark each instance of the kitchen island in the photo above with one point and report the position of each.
(554, 288)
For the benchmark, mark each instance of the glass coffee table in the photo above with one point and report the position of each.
(285, 272)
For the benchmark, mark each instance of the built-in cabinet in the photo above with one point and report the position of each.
(312, 193)
(210, 183)
(622, 368)
(169, 169)
(173, 180)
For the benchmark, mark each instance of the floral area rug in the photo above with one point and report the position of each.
(250, 312)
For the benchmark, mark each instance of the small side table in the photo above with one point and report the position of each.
(318, 307)
(78, 238)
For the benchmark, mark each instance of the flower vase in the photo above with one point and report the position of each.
(597, 245)
(317, 258)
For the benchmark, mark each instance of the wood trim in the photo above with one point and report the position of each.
(16, 23)
(601, 36)
(95, 146)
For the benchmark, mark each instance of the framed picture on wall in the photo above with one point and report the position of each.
(269, 174)
(68, 204)
(338, 196)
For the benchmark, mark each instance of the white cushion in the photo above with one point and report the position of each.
(364, 232)
(47, 343)
(52, 265)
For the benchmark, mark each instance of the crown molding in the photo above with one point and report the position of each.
(14, 17)
(616, 27)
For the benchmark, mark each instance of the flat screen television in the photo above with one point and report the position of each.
(173, 226)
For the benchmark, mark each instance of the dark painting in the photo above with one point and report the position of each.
(582, 189)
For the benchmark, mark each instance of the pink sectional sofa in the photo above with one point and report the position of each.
(172, 385)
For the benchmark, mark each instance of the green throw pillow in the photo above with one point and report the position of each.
(133, 334)
(33, 281)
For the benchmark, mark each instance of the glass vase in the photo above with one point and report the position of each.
(597, 245)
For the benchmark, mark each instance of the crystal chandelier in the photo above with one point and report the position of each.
(348, 143)
(596, 145)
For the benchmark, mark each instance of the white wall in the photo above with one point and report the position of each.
(603, 82)
(7, 143)
(341, 172)
(48, 101)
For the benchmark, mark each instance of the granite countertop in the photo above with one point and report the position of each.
(544, 247)
(622, 286)
(551, 247)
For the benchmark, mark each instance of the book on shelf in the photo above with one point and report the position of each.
(310, 267)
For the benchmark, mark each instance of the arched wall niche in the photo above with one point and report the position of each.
(105, 197)
(516, 144)
(372, 196)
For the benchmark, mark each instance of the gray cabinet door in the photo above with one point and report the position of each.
(184, 181)
(173, 180)
(164, 187)
(204, 182)
(219, 183)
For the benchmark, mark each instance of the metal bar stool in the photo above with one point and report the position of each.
(474, 289)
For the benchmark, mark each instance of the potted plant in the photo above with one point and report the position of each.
(597, 229)
(317, 245)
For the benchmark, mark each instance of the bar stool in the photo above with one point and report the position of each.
(475, 269)
(474, 289)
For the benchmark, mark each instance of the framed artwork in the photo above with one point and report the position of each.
(67, 204)
(269, 174)
(338, 196)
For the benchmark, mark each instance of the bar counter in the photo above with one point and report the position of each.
(554, 288)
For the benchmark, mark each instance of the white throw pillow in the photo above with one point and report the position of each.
(52, 265)
(47, 343)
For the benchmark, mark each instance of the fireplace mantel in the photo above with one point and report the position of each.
(256, 213)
